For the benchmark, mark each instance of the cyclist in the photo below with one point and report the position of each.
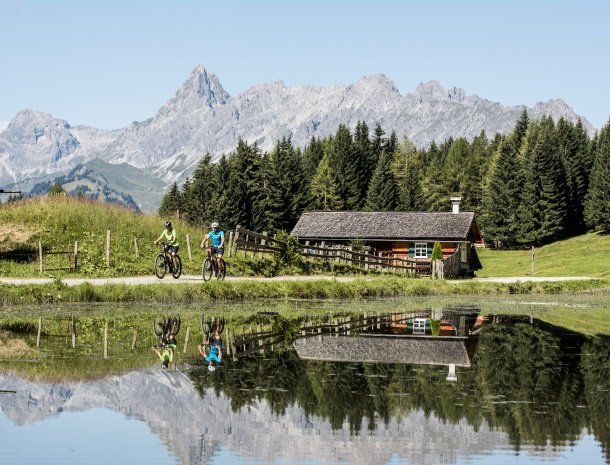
(212, 353)
(169, 234)
(165, 354)
(217, 246)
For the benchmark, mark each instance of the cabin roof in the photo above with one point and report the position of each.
(385, 225)
(418, 350)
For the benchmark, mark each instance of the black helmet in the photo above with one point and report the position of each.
(168, 224)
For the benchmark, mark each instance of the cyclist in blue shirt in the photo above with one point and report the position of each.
(217, 243)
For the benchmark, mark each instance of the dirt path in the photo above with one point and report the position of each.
(194, 279)
(184, 279)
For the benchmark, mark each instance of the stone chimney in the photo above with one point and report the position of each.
(455, 204)
(451, 376)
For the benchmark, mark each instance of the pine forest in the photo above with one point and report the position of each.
(543, 181)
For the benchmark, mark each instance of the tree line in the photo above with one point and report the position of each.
(543, 181)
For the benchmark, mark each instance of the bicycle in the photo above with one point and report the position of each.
(164, 264)
(210, 266)
(166, 329)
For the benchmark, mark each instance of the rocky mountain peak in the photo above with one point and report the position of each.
(201, 89)
(430, 91)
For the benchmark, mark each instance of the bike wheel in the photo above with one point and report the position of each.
(177, 270)
(223, 269)
(159, 266)
(207, 270)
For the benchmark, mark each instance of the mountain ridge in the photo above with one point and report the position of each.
(202, 117)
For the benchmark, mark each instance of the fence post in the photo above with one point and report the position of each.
(73, 332)
(186, 339)
(235, 239)
(366, 262)
(188, 247)
(39, 331)
(380, 261)
(133, 340)
(40, 254)
(230, 248)
(75, 256)
(106, 339)
(323, 252)
(136, 246)
(261, 255)
(108, 248)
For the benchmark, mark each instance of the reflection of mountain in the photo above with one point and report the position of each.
(193, 428)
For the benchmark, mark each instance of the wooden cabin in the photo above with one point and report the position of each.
(397, 234)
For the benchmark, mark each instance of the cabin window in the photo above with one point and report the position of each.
(419, 326)
(421, 250)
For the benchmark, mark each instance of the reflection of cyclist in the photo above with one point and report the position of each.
(169, 234)
(166, 355)
(211, 350)
(217, 245)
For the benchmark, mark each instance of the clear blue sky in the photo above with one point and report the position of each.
(107, 63)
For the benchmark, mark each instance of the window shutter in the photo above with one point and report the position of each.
(411, 249)
(430, 245)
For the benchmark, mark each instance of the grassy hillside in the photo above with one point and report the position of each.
(60, 221)
(586, 255)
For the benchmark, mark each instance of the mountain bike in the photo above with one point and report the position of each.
(164, 264)
(166, 330)
(210, 266)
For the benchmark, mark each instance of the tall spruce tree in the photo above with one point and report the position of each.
(501, 195)
(198, 193)
(383, 193)
(342, 159)
(365, 161)
(544, 200)
(312, 154)
(245, 188)
(407, 168)
(324, 188)
(171, 202)
(287, 187)
(597, 206)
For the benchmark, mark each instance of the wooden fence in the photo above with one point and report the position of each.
(46, 260)
(259, 245)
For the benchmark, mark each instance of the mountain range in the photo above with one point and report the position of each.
(203, 118)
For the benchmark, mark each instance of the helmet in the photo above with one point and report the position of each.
(211, 367)
(214, 224)
(168, 224)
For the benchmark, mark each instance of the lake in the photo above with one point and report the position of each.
(400, 381)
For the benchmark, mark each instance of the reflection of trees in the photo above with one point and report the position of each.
(596, 374)
(530, 384)
(526, 380)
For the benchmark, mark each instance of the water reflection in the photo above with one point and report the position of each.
(363, 388)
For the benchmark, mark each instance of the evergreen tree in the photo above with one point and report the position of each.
(391, 144)
(521, 129)
(312, 154)
(342, 159)
(382, 193)
(576, 156)
(286, 186)
(365, 160)
(597, 206)
(407, 168)
(57, 189)
(434, 195)
(171, 202)
(545, 191)
(244, 191)
(377, 144)
(501, 195)
(199, 192)
(324, 188)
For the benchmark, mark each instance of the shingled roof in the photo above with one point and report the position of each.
(418, 350)
(384, 225)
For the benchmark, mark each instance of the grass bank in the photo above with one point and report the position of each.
(282, 289)
(585, 255)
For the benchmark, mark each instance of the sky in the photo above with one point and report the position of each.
(108, 63)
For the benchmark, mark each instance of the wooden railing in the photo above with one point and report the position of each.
(259, 245)
(46, 260)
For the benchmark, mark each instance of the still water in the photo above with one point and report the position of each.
(323, 383)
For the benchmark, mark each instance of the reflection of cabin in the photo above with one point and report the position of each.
(397, 234)
(370, 348)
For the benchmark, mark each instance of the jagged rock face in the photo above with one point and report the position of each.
(203, 118)
(194, 427)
